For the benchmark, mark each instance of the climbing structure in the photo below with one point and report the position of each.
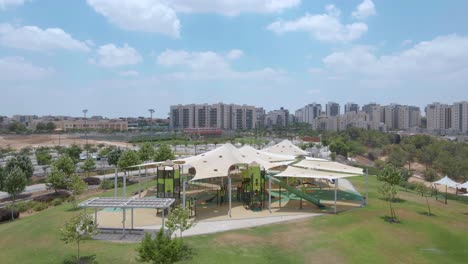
(252, 191)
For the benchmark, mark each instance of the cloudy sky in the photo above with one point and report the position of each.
(121, 57)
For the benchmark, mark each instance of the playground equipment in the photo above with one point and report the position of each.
(252, 191)
(295, 191)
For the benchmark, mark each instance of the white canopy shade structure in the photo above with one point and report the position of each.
(293, 171)
(285, 147)
(464, 185)
(215, 163)
(447, 182)
(331, 166)
(265, 159)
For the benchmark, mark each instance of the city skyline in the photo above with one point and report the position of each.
(282, 53)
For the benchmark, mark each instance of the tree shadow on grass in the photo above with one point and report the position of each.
(73, 209)
(390, 219)
(83, 260)
(396, 200)
(426, 213)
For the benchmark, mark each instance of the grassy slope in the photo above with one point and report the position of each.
(358, 236)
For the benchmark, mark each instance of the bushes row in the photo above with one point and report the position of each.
(92, 181)
(5, 214)
(46, 198)
(109, 183)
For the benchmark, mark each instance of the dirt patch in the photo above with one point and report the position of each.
(236, 239)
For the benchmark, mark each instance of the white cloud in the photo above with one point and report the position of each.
(144, 15)
(17, 69)
(406, 42)
(4, 4)
(234, 54)
(112, 56)
(323, 27)
(364, 10)
(37, 39)
(444, 58)
(129, 73)
(230, 7)
(209, 65)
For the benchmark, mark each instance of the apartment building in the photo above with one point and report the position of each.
(459, 118)
(218, 116)
(308, 113)
(439, 116)
(354, 119)
(326, 123)
(351, 107)
(332, 109)
(104, 124)
(278, 117)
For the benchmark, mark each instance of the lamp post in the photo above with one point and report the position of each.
(86, 131)
(151, 119)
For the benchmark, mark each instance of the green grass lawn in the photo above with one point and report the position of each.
(358, 236)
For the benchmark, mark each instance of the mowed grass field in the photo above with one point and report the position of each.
(358, 236)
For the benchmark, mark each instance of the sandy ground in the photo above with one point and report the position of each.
(440, 188)
(21, 141)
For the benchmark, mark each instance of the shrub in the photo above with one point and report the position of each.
(23, 206)
(47, 198)
(5, 214)
(430, 175)
(39, 206)
(57, 202)
(92, 181)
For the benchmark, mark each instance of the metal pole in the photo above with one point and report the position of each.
(125, 184)
(446, 194)
(95, 215)
(163, 218)
(229, 184)
(132, 218)
(139, 182)
(269, 193)
(146, 177)
(115, 181)
(367, 188)
(123, 221)
(336, 184)
(183, 193)
(280, 194)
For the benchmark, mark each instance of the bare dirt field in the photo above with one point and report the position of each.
(21, 141)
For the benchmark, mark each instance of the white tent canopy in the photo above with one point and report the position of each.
(265, 156)
(326, 165)
(285, 147)
(464, 185)
(447, 182)
(215, 163)
(293, 171)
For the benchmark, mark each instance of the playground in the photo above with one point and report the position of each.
(228, 184)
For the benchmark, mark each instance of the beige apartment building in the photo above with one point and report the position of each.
(105, 124)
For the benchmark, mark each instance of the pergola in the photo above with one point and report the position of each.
(127, 203)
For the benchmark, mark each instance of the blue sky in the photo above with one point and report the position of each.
(121, 57)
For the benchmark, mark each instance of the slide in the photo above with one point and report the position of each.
(297, 192)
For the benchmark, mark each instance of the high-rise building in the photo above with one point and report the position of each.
(368, 108)
(332, 109)
(439, 116)
(354, 119)
(308, 113)
(260, 113)
(351, 107)
(459, 118)
(218, 116)
(277, 118)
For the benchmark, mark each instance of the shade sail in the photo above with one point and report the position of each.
(446, 181)
(293, 171)
(215, 163)
(266, 156)
(464, 185)
(285, 147)
(326, 165)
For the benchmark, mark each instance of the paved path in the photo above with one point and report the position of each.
(209, 227)
(29, 189)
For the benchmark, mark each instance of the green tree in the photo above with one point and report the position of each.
(164, 153)
(425, 192)
(88, 165)
(23, 162)
(163, 249)
(50, 126)
(430, 175)
(391, 178)
(113, 156)
(2, 177)
(396, 156)
(43, 156)
(339, 147)
(56, 179)
(78, 229)
(146, 151)
(179, 219)
(14, 183)
(76, 187)
(65, 163)
(73, 152)
(127, 159)
(411, 154)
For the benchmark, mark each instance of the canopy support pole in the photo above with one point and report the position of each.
(229, 184)
(269, 193)
(336, 185)
(95, 215)
(367, 188)
(125, 184)
(445, 193)
(162, 214)
(146, 177)
(115, 181)
(183, 193)
(132, 218)
(139, 182)
(123, 222)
